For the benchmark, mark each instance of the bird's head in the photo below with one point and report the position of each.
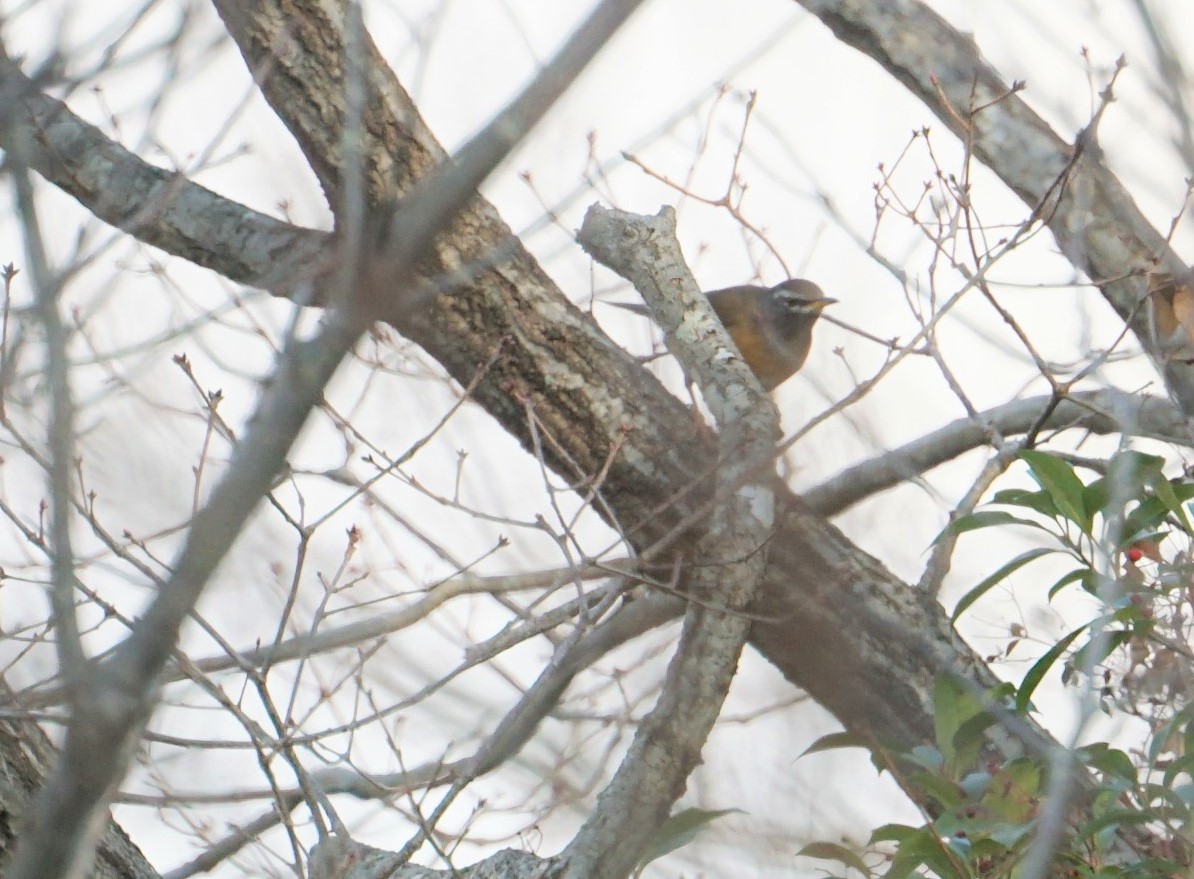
(797, 297)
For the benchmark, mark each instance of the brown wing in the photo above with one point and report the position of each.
(742, 310)
(736, 306)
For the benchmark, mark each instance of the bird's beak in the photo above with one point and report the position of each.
(818, 304)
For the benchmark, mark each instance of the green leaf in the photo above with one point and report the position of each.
(1033, 500)
(1108, 760)
(1185, 724)
(1010, 835)
(1165, 804)
(1096, 650)
(1035, 674)
(830, 851)
(1014, 792)
(1163, 738)
(1132, 466)
(835, 741)
(1057, 477)
(944, 791)
(1151, 512)
(1113, 818)
(975, 784)
(1079, 575)
(1128, 472)
(969, 738)
(959, 723)
(982, 588)
(1147, 516)
(961, 846)
(1168, 496)
(1097, 495)
(925, 756)
(893, 833)
(949, 712)
(1151, 867)
(922, 848)
(678, 831)
(985, 519)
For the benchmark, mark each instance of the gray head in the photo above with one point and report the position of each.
(799, 298)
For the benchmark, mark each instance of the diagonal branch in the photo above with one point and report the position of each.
(1091, 214)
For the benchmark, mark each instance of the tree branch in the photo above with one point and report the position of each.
(1090, 213)
(1101, 412)
(727, 567)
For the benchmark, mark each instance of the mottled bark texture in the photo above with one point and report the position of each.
(26, 758)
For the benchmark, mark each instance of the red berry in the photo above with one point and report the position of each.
(1134, 554)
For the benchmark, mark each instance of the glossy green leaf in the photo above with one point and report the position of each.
(944, 791)
(1165, 804)
(925, 756)
(830, 851)
(1168, 496)
(975, 784)
(970, 738)
(678, 831)
(836, 741)
(1094, 651)
(1112, 819)
(961, 845)
(953, 705)
(1150, 513)
(1180, 723)
(1145, 517)
(1134, 465)
(1097, 495)
(986, 585)
(1109, 760)
(1010, 835)
(923, 848)
(1057, 477)
(893, 833)
(1037, 673)
(1079, 575)
(1128, 474)
(985, 519)
(1038, 501)
(1014, 791)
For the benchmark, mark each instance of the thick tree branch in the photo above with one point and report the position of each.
(1090, 213)
(1102, 412)
(159, 207)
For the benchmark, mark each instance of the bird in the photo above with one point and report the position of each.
(771, 326)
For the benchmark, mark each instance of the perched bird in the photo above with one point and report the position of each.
(772, 326)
